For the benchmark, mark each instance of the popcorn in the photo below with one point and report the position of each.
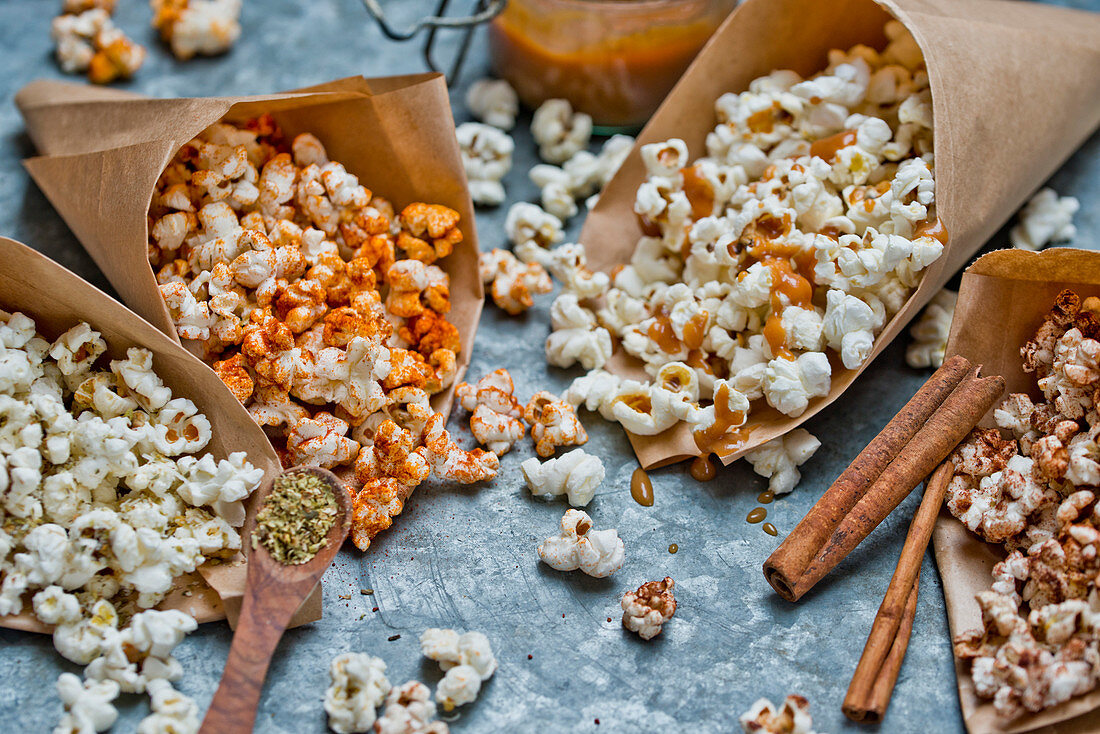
(494, 102)
(497, 416)
(88, 41)
(451, 649)
(512, 284)
(532, 231)
(569, 264)
(459, 686)
(409, 710)
(359, 686)
(931, 330)
(559, 132)
(648, 608)
(598, 553)
(487, 158)
(596, 391)
(553, 423)
(172, 712)
(792, 718)
(576, 337)
(576, 474)
(1046, 218)
(197, 27)
(789, 384)
(780, 458)
(88, 705)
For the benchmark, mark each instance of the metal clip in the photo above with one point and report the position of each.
(484, 11)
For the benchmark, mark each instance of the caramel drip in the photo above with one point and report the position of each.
(827, 148)
(757, 515)
(766, 497)
(933, 229)
(660, 331)
(702, 469)
(698, 191)
(788, 289)
(769, 529)
(641, 489)
(724, 420)
(672, 548)
(731, 442)
(830, 230)
(762, 121)
(695, 330)
(649, 227)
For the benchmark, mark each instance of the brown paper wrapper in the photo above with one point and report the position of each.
(57, 300)
(102, 151)
(1014, 90)
(1002, 301)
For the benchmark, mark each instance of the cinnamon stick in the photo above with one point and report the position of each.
(878, 668)
(791, 559)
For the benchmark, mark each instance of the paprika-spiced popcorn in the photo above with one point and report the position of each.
(511, 283)
(197, 27)
(87, 41)
(1031, 486)
(803, 230)
(553, 422)
(320, 307)
(496, 418)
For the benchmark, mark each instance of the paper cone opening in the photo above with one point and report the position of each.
(1014, 88)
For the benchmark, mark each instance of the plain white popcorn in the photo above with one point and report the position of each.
(1045, 219)
(598, 553)
(458, 687)
(359, 686)
(173, 712)
(449, 648)
(494, 102)
(409, 710)
(487, 158)
(576, 474)
(559, 131)
(793, 718)
(532, 232)
(785, 249)
(583, 175)
(930, 331)
(780, 458)
(88, 706)
(197, 27)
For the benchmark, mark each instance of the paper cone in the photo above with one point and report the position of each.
(58, 300)
(1003, 299)
(1014, 90)
(103, 151)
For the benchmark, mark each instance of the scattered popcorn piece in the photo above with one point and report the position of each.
(359, 686)
(494, 102)
(487, 158)
(792, 718)
(197, 27)
(576, 336)
(497, 416)
(532, 232)
(645, 610)
(88, 706)
(512, 284)
(409, 710)
(459, 687)
(449, 648)
(931, 330)
(576, 474)
(89, 41)
(780, 458)
(553, 423)
(1046, 218)
(172, 712)
(559, 131)
(598, 553)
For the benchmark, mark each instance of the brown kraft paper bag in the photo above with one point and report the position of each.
(103, 150)
(58, 300)
(1002, 301)
(1015, 89)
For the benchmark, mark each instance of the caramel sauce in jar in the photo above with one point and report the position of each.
(641, 488)
(827, 148)
(615, 61)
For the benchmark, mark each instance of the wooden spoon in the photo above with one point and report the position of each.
(272, 594)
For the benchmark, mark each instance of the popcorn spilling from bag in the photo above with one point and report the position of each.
(286, 271)
(87, 41)
(1030, 485)
(1046, 219)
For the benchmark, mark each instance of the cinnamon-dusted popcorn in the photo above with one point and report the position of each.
(1032, 489)
(359, 686)
(576, 474)
(88, 41)
(930, 331)
(409, 710)
(553, 423)
(197, 27)
(598, 553)
(494, 102)
(780, 458)
(487, 158)
(497, 416)
(511, 283)
(792, 718)
(559, 131)
(648, 608)
(1047, 218)
(321, 308)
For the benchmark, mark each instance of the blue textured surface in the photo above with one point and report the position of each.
(465, 557)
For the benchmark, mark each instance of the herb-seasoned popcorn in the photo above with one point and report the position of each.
(197, 27)
(798, 235)
(598, 553)
(321, 308)
(172, 712)
(88, 705)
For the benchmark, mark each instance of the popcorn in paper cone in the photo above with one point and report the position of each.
(103, 151)
(26, 277)
(1014, 88)
(1014, 290)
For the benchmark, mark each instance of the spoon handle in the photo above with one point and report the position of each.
(263, 620)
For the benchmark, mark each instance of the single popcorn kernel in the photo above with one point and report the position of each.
(294, 521)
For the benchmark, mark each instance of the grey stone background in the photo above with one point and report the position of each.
(465, 557)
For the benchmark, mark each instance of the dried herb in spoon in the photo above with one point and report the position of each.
(295, 518)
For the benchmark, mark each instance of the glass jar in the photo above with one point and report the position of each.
(613, 59)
